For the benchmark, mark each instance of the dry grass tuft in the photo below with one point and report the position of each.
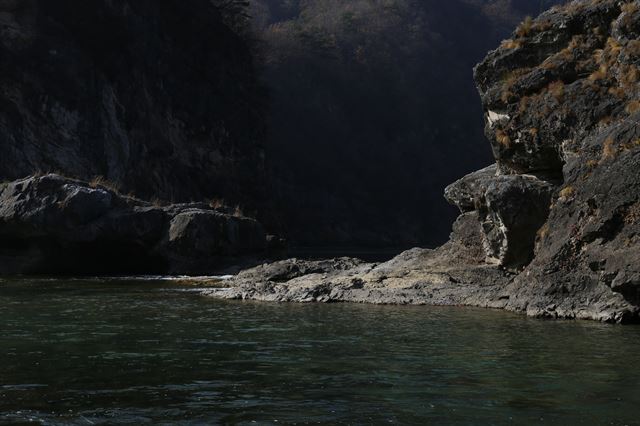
(600, 74)
(216, 203)
(618, 92)
(101, 182)
(633, 214)
(525, 27)
(592, 164)
(503, 138)
(509, 81)
(633, 106)
(631, 76)
(511, 44)
(608, 149)
(157, 202)
(556, 89)
(542, 233)
(630, 8)
(567, 192)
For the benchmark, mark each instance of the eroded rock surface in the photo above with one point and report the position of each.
(53, 225)
(454, 274)
(553, 228)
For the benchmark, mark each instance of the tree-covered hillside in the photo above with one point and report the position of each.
(374, 111)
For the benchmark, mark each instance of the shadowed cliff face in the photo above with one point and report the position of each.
(55, 225)
(371, 111)
(374, 111)
(158, 97)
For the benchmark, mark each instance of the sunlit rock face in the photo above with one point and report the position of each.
(159, 98)
(569, 84)
(511, 210)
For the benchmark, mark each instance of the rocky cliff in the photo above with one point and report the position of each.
(563, 101)
(160, 99)
(552, 229)
(156, 100)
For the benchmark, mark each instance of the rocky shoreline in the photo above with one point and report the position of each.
(51, 224)
(552, 229)
(455, 274)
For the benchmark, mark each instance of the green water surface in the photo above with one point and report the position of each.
(118, 352)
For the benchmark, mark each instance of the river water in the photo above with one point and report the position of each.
(118, 352)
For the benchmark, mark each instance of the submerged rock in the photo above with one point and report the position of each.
(52, 224)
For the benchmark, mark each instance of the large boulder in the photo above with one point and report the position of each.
(510, 208)
(196, 236)
(514, 209)
(52, 224)
(467, 192)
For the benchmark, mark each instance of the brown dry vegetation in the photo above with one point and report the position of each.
(101, 182)
(633, 106)
(511, 44)
(556, 89)
(567, 192)
(509, 81)
(608, 149)
(503, 138)
(525, 27)
(633, 214)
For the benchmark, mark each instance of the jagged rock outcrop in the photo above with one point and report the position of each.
(454, 274)
(567, 88)
(56, 225)
(553, 229)
(158, 97)
(511, 209)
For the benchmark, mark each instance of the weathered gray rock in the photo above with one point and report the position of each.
(540, 80)
(582, 107)
(467, 192)
(512, 211)
(511, 208)
(52, 224)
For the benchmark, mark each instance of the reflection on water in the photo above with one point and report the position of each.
(100, 352)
